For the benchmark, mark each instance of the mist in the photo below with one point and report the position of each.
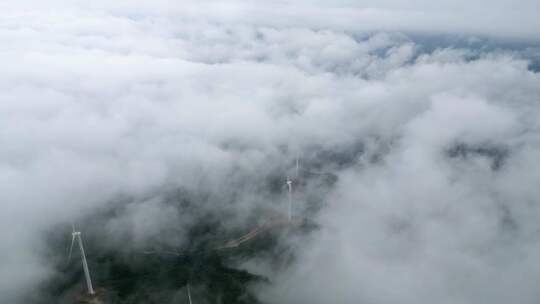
(159, 125)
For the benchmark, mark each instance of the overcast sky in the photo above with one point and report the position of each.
(102, 100)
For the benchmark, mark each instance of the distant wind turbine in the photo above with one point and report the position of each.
(77, 235)
(289, 186)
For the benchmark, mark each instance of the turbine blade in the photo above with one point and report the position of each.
(297, 168)
(189, 294)
(71, 247)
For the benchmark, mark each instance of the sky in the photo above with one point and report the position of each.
(427, 114)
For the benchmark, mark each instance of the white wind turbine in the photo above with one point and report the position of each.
(77, 235)
(289, 186)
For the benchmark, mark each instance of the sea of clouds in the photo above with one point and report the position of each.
(435, 105)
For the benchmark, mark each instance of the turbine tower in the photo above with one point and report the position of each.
(289, 186)
(77, 235)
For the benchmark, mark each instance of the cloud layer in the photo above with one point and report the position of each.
(433, 143)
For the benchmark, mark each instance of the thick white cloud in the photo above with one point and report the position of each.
(422, 226)
(102, 100)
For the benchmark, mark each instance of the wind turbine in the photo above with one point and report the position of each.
(289, 186)
(77, 235)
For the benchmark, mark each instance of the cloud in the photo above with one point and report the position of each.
(420, 225)
(105, 102)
